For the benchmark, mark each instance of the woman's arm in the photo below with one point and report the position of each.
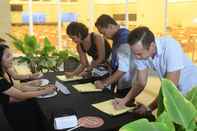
(27, 88)
(83, 63)
(19, 95)
(33, 85)
(16, 76)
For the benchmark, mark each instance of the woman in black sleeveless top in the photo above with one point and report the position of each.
(8, 90)
(90, 44)
(21, 77)
(21, 114)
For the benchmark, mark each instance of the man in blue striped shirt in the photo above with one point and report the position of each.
(122, 63)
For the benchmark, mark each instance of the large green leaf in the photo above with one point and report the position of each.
(61, 56)
(192, 126)
(23, 59)
(48, 48)
(160, 103)
(179, 109)
(144, 125)
(31, 42)
(46, 58)
(17, 43)
(47, 63)
(73, 54)
(164, 118)
(12, 37)
(31, 45)
(192, 96)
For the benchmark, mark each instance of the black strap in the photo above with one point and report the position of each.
(92, 38)
(92, 42)
(92, 50)
(81, 45)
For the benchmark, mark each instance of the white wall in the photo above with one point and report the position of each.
(5, 18)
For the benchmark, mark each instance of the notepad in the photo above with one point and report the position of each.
(65, 122)
(63, 78)
(62, 88)
(88, 87)
(108, 108)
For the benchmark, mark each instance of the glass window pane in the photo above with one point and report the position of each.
(182, 24)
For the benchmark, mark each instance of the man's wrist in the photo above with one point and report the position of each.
(105, 84)
(126, 99)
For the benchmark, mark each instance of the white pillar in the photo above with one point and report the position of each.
(31, 32)
(91, 14)
(5, 22)
(59, 27)
(127, 13)
(165, 15)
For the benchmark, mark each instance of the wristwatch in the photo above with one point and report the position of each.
(149, 109)
(105, 85)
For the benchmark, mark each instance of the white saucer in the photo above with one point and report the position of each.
(44, 82)
(48, 95)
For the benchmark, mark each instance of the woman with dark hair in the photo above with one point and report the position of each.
(7, 90)
(22, 115)
(17, 76)
(87, 43)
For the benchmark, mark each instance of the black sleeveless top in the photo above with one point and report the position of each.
(5, 85)
(93, 50)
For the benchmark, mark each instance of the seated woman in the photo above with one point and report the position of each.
(90, 44)
(21, 115)
(7, 87)
(16, 76)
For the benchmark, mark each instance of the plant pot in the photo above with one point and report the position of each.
(71, 64)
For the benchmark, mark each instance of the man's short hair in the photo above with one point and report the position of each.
(2, 40)
(142, 34)
(104, 20)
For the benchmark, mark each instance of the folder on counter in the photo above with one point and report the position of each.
(88, 87)
(63, 78)
(108, 108)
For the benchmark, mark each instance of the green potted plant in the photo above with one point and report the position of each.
(175, 112)
(46, 58)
